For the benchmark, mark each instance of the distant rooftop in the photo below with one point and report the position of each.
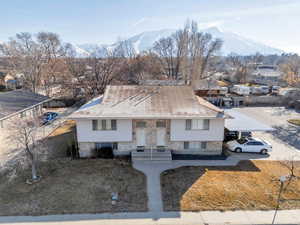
(18, 100)
(162, 82)
(132, 101)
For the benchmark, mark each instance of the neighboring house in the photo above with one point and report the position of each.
(19, 104)
(267, 75)
(13, 81)
(137, 119)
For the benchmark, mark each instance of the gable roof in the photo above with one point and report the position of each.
(131, 101)
(18, 100)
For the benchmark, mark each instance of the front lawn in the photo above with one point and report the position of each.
(78, 186)
(250, 185)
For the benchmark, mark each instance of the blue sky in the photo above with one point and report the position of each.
(273, 22)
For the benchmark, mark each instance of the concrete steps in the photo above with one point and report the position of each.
(155, 155)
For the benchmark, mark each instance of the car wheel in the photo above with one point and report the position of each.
(264, 151)
(238, 150)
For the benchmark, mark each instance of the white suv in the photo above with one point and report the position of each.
(250, 145)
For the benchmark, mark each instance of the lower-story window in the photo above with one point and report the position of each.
(112, 145)
(195, 145)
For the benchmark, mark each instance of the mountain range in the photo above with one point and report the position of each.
(232, 43)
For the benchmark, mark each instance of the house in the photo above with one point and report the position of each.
(207, 87)
(267, 75)
(18, 104)
(148, 121)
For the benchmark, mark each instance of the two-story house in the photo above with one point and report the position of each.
(149, 121)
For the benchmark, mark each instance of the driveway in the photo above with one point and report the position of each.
(285, 139)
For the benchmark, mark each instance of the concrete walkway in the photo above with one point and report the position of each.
(153, 169)
(166, 218)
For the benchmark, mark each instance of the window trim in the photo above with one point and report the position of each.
(189, 124)
(141, 122)
(105, 124)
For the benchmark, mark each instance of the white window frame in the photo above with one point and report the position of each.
(108, 125)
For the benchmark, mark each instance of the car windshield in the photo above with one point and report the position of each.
(242, 141)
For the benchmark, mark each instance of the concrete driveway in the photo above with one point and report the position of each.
(285, 139)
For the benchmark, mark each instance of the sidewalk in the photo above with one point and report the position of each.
(166, 218)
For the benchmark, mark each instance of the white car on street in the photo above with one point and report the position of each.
(250, 145)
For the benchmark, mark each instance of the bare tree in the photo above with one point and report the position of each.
(53, 52)
(24, 132)
(76, 70)
(291, 68)
(26, 57)
(241, 68)
(187, 53)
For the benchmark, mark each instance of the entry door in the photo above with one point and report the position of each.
(140, 137)
(161, 137)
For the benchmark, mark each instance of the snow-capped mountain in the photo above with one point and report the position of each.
(232, 43)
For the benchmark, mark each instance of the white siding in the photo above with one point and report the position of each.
(215, 132)
(85, 132)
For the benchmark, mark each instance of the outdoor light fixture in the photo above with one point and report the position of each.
(282, 179)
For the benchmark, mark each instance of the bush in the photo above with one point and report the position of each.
(2, 87)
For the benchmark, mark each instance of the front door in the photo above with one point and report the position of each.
(140, 137)
(161, 137)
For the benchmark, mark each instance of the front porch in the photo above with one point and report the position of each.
(157, 154)
(151, 154)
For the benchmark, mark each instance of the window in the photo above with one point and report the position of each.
(141, 124)
(112, 145)
(257, 143)
(251, 143)
(197, 124)
(104, 124)
(186, 145)
(161, 124)
(203, 145)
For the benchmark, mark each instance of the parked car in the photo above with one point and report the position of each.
(223, 90)
(275, 90)
(48, 117)
(240, 90)
(250, 145)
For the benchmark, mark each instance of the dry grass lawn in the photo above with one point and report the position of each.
(67, 127)
(250, 185)
(78, 186)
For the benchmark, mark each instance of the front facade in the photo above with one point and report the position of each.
(145, 118)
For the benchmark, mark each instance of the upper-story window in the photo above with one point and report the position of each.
(197, 124)
(141, 124)
(104, 124)
(161, 124)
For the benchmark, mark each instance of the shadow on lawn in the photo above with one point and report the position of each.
(175, 183)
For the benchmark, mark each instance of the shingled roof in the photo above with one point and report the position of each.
(130, 101)
(14, 101)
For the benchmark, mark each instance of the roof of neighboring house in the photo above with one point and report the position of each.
(206, 85)
(131, 101)
(18, 100)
